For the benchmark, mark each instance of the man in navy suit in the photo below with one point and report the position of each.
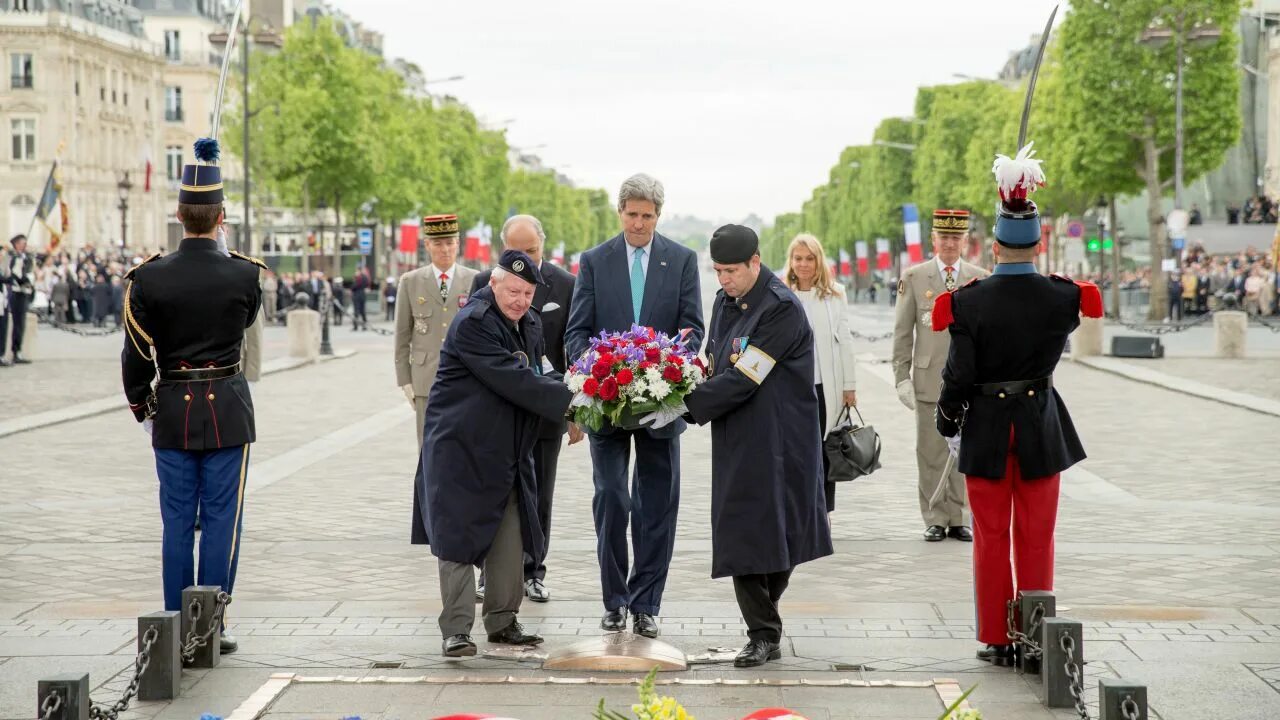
(638, 277)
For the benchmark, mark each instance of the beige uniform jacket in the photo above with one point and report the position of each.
(422, 318)
(918, 352)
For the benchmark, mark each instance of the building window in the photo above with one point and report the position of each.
(172, 48)
(21, 73)
(173, 104)
(20, 5)
(173, 162)
(24, 139)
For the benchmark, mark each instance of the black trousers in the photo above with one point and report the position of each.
(18, 303)
(828, 487)
(546, 458)
(758, 597)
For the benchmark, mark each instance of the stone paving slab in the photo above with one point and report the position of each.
(1181, 384)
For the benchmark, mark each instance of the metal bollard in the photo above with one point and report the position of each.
(1121, 700)
(1027, 603)
(1057, 679)
(208, 654)
(164, 669)
(72, 702)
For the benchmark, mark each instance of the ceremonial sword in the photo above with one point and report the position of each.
(226, 64)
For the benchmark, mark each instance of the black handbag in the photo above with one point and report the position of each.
(851, 450)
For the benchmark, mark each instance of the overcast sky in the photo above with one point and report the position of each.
(737, 106)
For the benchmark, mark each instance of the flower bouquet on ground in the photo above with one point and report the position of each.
(633, 379)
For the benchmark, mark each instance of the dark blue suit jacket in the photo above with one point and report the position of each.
(602, 298)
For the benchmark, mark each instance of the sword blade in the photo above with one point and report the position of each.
(1031, 84)
(226, 64)
(942, 481)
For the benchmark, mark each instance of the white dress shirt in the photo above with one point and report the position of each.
(942, 268)
(448, 282)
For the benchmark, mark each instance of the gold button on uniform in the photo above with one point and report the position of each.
(187, 398)
(1002, 395)
(1031, 393)
(744, 306)
(210, 396)
(733, 358)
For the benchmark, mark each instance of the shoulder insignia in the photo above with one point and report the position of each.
(971, 282)
(1062, 278)
(781, 291)
(942, 315)
(253, 260)
(1090, 299)
(129, 275)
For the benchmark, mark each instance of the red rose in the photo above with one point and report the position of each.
(590, 387)
(606, 358)
(644, 365)
(675, 359)
(625, 376)
(652, 354)
(639, 341)
(601, 370)
(609, 389)
(701, 365)
(671, 373)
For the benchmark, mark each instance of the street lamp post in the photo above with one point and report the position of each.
(123, 187)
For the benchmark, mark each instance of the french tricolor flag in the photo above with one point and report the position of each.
(844, 262)
(883, 261)
(860, 250)
(911, 230)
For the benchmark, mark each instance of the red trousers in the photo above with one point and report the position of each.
(1030, 506)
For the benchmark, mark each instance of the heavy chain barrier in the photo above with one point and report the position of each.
(140, 663)
(1155, 328)
(1075, 675)
(871, 338)
(51, 704)
(82, 332)
(194, 642)
(1030, 646)
(1272, 325)
(1129, 708)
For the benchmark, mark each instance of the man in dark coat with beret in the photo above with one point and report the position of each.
(768, 510)
(475, 498)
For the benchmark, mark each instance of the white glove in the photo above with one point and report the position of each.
(148, 426)
(907, 394)
(408, 393)
(953, 445)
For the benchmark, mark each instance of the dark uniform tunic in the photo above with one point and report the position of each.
(768, 511)
(1010, 328)
(193, 306)
(481, 425)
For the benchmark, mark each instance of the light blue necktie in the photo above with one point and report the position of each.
(637, 283)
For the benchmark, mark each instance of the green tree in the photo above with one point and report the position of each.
(1117, 103)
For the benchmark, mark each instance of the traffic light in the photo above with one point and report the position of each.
(1092, 245)
(1106, 244)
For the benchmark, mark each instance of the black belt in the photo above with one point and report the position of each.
(1015, 387)
(200, 374)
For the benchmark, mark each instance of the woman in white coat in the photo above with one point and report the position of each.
(808, 276)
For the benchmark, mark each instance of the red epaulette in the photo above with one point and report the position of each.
(942, 316)
(1090, 296)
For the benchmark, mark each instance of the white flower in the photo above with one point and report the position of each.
(659, 389)
(653, 375)
(576, 381)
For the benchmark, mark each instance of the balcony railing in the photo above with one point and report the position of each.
(21, 81)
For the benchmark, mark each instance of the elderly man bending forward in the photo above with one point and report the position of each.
(476, 498)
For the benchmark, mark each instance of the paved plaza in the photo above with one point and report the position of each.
(1168, 550)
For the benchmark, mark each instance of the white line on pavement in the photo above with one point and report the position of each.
(282, 466)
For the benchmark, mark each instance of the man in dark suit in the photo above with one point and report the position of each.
(551, 301)
(636, 278)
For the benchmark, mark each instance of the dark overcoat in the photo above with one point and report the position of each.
(481, 424)
(768, 510)
(1009, 328)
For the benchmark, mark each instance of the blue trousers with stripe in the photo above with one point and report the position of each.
(212, 482)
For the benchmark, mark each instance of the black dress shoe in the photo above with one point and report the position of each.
(19, 360)
(459, 646)
(757, 653)
(514, 634)
(228, 644)
(1000, 655)
(935, 533)
(961, 533)
(645, 625)
(614, 620)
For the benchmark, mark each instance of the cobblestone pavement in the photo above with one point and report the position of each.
(1168, 544)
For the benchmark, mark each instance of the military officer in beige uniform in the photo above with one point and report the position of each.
(429, 298)
(918, 357)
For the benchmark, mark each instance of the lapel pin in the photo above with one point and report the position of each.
(663, 263)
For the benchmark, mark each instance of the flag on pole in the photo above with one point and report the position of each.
(911, 230)
(860, 250)
(146, 167)
(883, 261)
(486, 243)
(573, 263)
(51, 206)
(409, 236)
(844, 262)
(557, 255)
(904, 261)
(471, 245)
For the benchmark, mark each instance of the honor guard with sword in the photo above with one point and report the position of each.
(918, 355)
(429, 299)
(185, 319)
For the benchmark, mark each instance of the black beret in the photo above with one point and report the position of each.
(731, 244)
(517, 263)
